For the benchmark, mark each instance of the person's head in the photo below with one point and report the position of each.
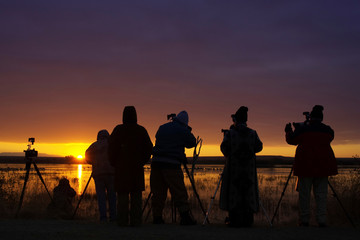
(64, 182)
(182, 117)
(317, 113)
(129, 115)
(241, 115)
(103, 134)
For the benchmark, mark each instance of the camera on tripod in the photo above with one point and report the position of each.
(31, 153)
(307, 119)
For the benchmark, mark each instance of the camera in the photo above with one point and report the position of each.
(30, 153)
(224, 131)
(307, 119)
(171, 116)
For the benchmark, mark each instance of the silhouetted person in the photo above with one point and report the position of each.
(239, 193)
(169, 152)
(129, 149)
(63, 195)
(103, 174)
(314, 162)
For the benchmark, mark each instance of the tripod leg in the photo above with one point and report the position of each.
(342, 206)
(81, 197)
(195, 192)
(147, 202)
(42, 180)
(23, 190)
(266, 215)
(212, 200)
(282, 195)
(148, 214)
(173, 210)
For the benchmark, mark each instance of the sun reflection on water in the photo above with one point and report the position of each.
(79, 175)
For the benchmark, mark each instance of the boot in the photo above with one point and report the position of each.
(187, 218)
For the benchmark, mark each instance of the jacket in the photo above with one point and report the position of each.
(314, 156)
(239, 188)
(129, 149)
(97, 156)
(171, 140)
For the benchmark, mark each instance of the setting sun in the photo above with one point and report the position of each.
(79, 157)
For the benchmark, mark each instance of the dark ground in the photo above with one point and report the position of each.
(13, 229)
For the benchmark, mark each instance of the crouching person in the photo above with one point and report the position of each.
(129, 149)
(63, 196)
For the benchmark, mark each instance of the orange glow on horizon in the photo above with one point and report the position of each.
(207, 150)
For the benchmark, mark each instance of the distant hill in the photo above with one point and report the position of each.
(262, 161)
(40, 160)
(22, 154)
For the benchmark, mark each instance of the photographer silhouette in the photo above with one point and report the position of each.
(314, 162)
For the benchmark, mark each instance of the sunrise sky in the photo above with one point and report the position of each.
(68, 68)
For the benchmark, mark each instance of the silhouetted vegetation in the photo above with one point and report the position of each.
(347, 186)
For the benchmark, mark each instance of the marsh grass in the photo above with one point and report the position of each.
(271, 184)
(347, 188)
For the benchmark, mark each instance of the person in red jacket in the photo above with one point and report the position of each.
(314, 162)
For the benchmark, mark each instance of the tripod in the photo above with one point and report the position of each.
(82, 196)
(341, 205)
(213, 198)
(145, 205)
(194, 189)
(334, 194)
(196, 155)
(173, 211)
(282, 195)
(29, 161)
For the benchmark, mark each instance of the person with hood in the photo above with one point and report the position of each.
(239, 194)
(169, 152)
(103, 174)
(63, 196)
(314, 162)
(129, 149)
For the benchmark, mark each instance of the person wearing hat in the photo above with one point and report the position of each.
(239, 194)
(168, 153)
(129, 149)
(314, 162)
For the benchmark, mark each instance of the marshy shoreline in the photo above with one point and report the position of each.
(33, 224)
(77, 229)
(262, 161)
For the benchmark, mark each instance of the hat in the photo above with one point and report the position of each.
(241, 115)
(317, 113)
(183, 117)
